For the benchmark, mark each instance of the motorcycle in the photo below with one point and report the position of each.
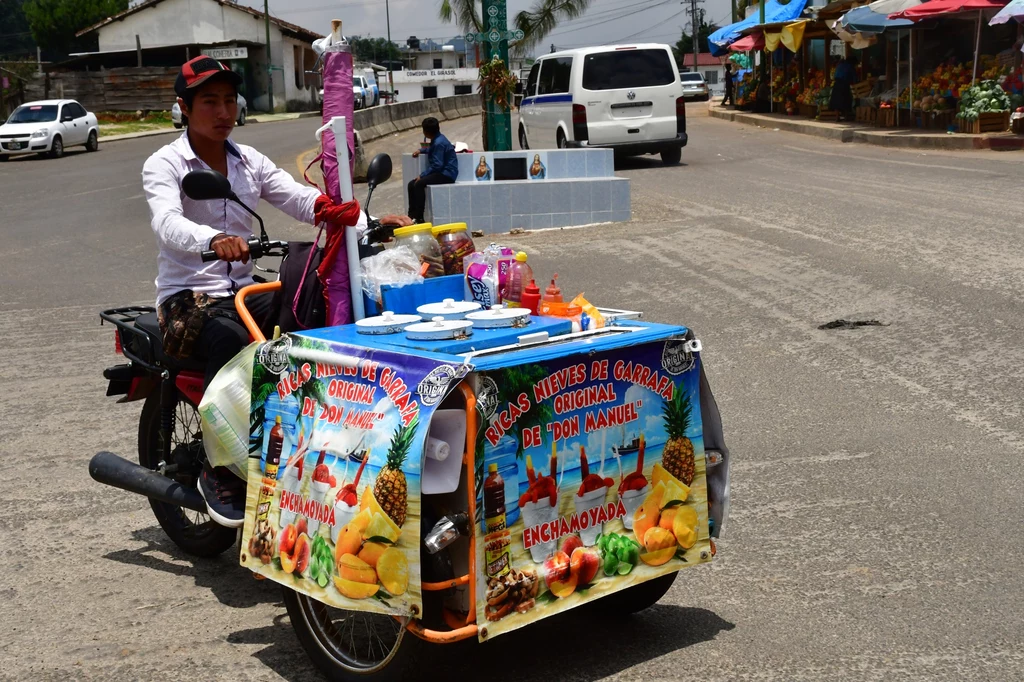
(350, 644)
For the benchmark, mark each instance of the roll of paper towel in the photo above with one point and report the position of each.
(438, 449)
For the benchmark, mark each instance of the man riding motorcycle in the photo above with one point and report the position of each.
(195, 300)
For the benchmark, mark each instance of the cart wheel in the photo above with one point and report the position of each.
(349, 645)
(636, 598)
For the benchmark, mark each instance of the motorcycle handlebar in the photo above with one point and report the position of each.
(257, 249)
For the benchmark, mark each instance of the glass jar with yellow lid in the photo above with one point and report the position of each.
(420, 239)
(456, 243)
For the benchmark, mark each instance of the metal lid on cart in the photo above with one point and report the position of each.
(499, 317)
(449, 309)
(386, 323)
(439, 329)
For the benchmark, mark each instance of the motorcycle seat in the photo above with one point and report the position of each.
(150, 323)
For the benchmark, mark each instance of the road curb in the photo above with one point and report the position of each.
(144, 133)
(166, 131)
(875, 136)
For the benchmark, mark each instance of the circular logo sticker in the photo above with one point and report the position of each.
(435, 385)
(487, 397)
(273, 355)
(676, 357)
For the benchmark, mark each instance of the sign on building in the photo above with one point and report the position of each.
(225, 53)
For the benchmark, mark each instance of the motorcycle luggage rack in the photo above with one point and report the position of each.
(124, 319)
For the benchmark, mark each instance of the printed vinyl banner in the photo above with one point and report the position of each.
(339, 520)
(593, 479)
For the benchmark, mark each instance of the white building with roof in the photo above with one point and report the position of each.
(173, 30)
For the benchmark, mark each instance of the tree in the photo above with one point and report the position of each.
(54, 23)
(15, 36)
(374, 50)
(685, 45)
(535, 23)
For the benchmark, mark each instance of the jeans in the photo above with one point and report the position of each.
(418, 193)
(221, 338)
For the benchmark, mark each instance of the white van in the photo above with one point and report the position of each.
(626, 97)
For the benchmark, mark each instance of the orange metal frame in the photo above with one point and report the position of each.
(460, 630)
(243, 312)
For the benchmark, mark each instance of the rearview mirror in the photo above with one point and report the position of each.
(205, 184)
(379, 170)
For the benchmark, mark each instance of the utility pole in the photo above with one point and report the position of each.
(270, 63)
(696, 21)
(391, 81)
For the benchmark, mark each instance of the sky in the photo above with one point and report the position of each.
(606, 22)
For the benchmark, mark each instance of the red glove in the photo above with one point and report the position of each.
(326, 211)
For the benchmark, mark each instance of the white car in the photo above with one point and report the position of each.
(694, 87)
(624, 97)
(180, 121)
(361, 92)
(48, 127)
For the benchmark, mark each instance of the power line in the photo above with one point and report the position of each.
(634, 35)
(564, 28)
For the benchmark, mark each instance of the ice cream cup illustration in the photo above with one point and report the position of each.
(318, 491)
(584, 503)
(631, 500)
(536, 514)
(291, 484)
(343, 513)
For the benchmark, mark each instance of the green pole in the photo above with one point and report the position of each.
(270, 66)
(499, 119)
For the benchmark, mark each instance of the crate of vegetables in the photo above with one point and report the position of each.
(886, 117)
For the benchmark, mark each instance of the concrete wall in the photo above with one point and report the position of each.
(391, 118)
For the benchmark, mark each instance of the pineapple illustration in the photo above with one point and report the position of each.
(391, 489)
(678, 456)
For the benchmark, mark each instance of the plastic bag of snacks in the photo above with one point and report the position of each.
(487, 273)
(400, 265)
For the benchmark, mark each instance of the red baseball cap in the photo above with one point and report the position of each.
(197, 71)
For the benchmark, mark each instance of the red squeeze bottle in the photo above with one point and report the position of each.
(531, 297)
(553, 294)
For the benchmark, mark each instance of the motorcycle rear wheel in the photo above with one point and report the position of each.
(350, 646)
(196, 534)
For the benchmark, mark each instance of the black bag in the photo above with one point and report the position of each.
(299, 304)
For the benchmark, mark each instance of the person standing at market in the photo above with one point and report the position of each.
(442, 168)
(728, 86)
(841, 99)
(195, 300)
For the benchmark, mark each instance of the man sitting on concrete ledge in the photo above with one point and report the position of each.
(442, 168)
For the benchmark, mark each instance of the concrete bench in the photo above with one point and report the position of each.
(573, 187)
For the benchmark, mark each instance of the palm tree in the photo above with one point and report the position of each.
(535, 23)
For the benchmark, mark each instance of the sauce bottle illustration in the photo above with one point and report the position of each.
(274, 447)
(498, 539)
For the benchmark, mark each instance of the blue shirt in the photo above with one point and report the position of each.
(441, 158)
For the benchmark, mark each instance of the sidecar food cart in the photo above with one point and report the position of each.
(469, 485)
(456, 478)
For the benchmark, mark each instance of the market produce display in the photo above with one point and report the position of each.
(986, 96)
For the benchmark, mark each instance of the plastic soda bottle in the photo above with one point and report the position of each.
(519, 277)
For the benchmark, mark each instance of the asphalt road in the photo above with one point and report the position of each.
(875, 531)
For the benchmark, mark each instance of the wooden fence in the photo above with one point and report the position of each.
(123, 89)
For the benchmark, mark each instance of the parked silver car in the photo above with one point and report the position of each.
(179, 120)
(694, 87)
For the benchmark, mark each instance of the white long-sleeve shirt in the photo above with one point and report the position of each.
(184, 228)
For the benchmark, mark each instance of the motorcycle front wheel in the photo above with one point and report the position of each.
(196, 534)
(350, 646)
